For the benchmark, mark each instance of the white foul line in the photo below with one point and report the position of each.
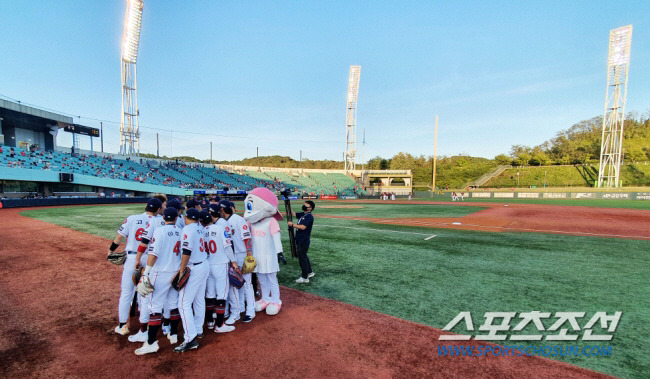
(380, 230)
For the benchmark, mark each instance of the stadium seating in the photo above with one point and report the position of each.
(177, 174)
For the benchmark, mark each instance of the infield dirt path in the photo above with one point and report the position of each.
(572, 220)
(59, 307)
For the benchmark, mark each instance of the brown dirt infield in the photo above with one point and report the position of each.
(572, 220)
(59, 307)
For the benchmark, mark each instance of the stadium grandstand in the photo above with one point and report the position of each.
(32, 165)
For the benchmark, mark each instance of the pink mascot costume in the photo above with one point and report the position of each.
(262, 212)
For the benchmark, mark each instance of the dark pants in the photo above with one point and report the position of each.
(305, 265)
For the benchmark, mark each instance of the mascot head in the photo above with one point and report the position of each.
(260, 204)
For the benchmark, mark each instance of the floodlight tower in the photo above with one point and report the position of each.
(611, 148)
(129, 127)
(351, 119)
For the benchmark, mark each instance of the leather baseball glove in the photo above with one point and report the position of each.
(249, 265)
(117, 258)
(137, 274)
(179, 280)
(144, 287)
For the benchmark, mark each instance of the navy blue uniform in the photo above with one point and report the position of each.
(302, 241)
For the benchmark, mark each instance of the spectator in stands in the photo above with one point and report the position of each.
(12, 154)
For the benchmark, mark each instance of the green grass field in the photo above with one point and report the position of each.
(601, 203)
(393, 270)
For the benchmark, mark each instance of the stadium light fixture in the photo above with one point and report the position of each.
(350, 156)
(132, 24)
(611, 148)
(129, 126)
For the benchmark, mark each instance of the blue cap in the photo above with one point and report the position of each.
(205, 204)
(174, 204)
(232, 205)
(191, 203)
(205, 217)
(170, 214)
(193, 214)
(224, 204)
(153, 205)
(215, 198)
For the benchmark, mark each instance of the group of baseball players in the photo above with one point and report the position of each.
(209, 239)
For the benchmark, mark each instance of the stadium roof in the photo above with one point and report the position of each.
(16, 107)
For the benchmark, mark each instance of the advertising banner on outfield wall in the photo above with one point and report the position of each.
(328, 197)
(310, 197)
(555, 195)
(528, 195)
(481, 194)
(504, 194)
(349, 197)
(583, 195)
(618, 195)
(643, 195)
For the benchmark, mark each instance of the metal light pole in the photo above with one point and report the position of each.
(129, 127)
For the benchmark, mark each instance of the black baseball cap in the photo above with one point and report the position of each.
(193, 214)
(205, 204)
(214, 210)
(205, 217)
(232, 204)
(191, 203)
(174, 204)
(170, 214)
(153, 205)
(215, 198)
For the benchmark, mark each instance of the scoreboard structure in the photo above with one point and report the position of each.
(81, 129)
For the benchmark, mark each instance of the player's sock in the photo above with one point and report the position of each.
(209, 308)
(165, 322)
(175, 317)
(154, 324)
(143, 327)
(122, 324)
(220, 309)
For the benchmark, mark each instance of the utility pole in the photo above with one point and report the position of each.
(157, 146)
(210, 152)
(101, 134)
(258, 157)
(300, 159)
(435, 145)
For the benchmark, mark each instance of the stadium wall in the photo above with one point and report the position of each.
(47, 176)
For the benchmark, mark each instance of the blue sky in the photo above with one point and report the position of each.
(273, 74)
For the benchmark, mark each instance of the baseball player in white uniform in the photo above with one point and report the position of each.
(162, 264)
(167, 314)
(132, 229)
(191, 298)
(141, 256)
(220, 255)
(240, 231)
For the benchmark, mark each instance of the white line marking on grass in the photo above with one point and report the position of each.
(379, 230)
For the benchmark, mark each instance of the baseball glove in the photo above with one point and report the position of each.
(144, 287)
(180, 281)
(249, 265)
(137, 274)
(117, 258)
(236, 278)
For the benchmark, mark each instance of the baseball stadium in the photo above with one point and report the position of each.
(230, 230)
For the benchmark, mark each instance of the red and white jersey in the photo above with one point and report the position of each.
(193, 235)
(151, 227)
(166, 245)
(240, 230)
(133, 228)
(218, 244)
